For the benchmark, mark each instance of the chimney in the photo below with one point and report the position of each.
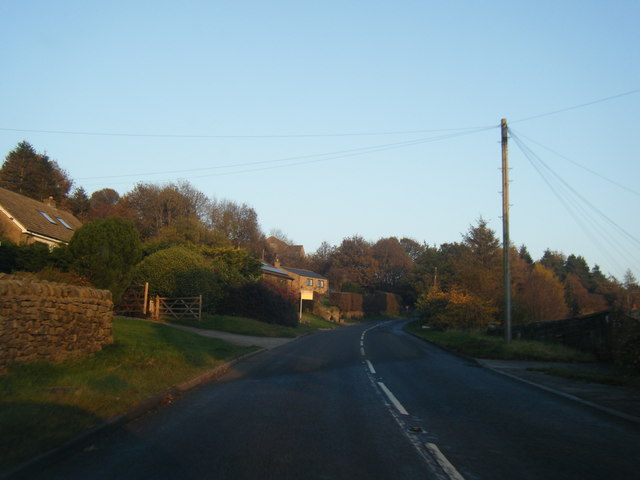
(276, 262)
(50, 201)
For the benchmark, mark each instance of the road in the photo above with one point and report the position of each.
(364, 402)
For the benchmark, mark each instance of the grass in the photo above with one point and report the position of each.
(248, 326)
(44, 404)
(479, 345)
(615, 378)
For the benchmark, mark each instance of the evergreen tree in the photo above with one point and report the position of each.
(105, 251)
(34, 175)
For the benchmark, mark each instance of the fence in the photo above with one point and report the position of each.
(134, 301)
(178, 308)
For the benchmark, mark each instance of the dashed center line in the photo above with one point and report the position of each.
(444, 463)
(371, 369)
(448, 471)
(396, 403)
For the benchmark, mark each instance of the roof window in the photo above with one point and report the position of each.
(64, 223)
(45, 215)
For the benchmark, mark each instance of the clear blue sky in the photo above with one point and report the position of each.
(203, 90)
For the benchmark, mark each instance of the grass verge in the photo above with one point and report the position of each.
(479, 345)
(249, 326)
(615, 378)
(44, 404)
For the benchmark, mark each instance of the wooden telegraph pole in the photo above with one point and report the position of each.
(505, 234)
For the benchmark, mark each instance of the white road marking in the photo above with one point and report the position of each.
(362, 352)
(444, 463)
(371, 369)
(396, 403)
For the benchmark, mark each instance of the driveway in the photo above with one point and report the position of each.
(245, 340)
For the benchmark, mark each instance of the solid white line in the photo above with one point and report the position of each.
(446, 465)
(393, 399)
(371, 369)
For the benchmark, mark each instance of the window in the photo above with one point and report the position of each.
(45, 215)
(309, 282)
(64, 223)
(320, 283)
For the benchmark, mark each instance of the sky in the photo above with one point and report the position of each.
(341, 118)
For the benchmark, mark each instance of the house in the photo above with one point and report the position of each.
(25, 220)
(284, 251)
(277, 276)
(305, 280)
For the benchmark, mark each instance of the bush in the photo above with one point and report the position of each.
(27, 258)
(455, 310)
(628, 355)
(51, 274)
(105, 251)
(262, 302)
(182, 272)
(201, 281)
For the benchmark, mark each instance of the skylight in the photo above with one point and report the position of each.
(64, 223)
(45, 215)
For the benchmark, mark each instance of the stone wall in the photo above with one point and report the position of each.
(51, 321)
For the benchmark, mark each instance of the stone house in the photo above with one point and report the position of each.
(277, 276)
(305, 280)
(24, 220)
(290, 254)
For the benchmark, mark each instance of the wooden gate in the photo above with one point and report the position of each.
(134, 301)
(179, 308)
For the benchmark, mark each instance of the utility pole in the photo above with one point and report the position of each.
(505, 234)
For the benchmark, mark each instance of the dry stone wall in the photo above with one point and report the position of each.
(51, 321)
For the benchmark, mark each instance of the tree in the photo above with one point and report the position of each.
(103, 203)
(555, 261)
(579, 299)
(413, 248)
(478, 267)
(524, 254)
(153, 207)
(320, 260)
(79, 203)
(394, 264)
(540, 296)
(238, 223)
(353, 260)
(105, 251)
(456, 309)
(34, 175)
(190, 231)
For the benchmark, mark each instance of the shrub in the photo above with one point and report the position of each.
(629, 354)
(455, 309)
(201, 281)
(51, 274)
(165, 269)
(105, 251)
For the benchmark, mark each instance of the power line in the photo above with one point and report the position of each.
(318, 157)
(574, 107)
(192, 136)
(582, 210)
(593, 172)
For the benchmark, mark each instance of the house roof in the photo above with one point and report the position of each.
(268, 269)
(37, 217)
(304, 273)
(281, 248)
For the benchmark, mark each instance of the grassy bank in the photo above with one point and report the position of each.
(616, 377)
(248, 326)
(43, 404)
(484, 346)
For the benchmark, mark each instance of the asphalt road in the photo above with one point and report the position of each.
(364, 402)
